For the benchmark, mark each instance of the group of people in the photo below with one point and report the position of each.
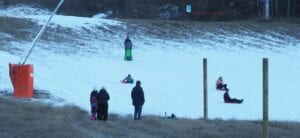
(99, 102)
(223, 87)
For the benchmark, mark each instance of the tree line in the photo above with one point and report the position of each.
(152, 9)
(280, 8)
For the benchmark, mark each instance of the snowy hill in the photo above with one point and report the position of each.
(79, 53)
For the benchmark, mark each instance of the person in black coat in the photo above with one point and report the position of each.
(138, 100)
(127, 43)
(103, 98)
(227, 98)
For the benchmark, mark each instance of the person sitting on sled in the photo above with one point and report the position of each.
(220, 85)
(227, 98)
(128, 79)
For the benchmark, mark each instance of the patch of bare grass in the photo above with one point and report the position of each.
(29, 119)
(25, 118)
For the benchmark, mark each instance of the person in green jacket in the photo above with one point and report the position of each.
(128, 48)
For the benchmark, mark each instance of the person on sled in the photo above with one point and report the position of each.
(220, 85)
(128, 79)
(228, 99)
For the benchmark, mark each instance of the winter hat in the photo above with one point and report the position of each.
(138, 83)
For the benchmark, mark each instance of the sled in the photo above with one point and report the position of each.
(124, 82)
(227, 102)
(128, 55)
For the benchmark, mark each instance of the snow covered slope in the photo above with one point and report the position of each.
(79, 53)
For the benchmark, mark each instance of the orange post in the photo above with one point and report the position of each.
(22, 79)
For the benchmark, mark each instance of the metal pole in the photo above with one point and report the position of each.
(265, 98)
(205, 88)
(42, 31)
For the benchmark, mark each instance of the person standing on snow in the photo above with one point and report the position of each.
(94, 104)
(128, 48)
(138, 100)
(103, 98)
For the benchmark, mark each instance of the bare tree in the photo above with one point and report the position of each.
(258, 8)
(289, 8)
(276, 7)
(271, 4)
(294, 7)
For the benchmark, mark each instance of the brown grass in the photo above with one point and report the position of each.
(24, 118)
(20, 118)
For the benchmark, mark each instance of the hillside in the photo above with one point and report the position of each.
(79, 53)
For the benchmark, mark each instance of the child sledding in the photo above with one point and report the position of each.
(128, 79)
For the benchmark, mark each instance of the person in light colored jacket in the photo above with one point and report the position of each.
(220, 85)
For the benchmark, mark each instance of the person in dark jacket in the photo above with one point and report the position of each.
(128, 48)
(94, 104)
(228, 99)
(103, 98)
(138, 100)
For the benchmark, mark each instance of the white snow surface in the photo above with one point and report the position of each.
(42, 15)
(171, 76)
(23, 10)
